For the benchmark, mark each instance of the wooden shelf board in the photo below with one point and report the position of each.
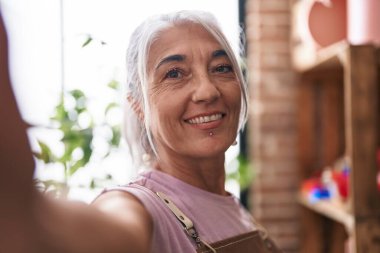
(307, 59)
(331, 210)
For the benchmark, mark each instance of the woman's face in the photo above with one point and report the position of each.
(194, 93)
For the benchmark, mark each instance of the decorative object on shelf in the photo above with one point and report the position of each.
(326, 21)
(315, 190)
(323, 26)
(317, 25)
(331, 184)
(363, 22)
(336, 179)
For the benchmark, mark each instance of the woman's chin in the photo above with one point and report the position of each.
(213, 148)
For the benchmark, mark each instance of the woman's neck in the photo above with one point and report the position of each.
(207, 174)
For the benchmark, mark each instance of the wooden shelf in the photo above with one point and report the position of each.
(339, 93)
(339, 103)
(308, 59)
(335, 211)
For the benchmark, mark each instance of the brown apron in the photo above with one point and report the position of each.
(256, 241)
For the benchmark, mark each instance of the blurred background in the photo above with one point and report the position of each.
(307, 165)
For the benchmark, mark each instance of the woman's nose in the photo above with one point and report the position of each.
(205, 90)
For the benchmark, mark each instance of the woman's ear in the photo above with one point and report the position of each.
(136, 107)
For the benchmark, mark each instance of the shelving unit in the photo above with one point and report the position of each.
(334, 211)
(326, 58)
(339, 116)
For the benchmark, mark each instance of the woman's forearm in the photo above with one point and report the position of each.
(33, 223)
(65, 226)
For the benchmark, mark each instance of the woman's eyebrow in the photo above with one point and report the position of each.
(171, 58)
(219, 53)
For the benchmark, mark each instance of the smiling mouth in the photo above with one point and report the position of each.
(205, 119)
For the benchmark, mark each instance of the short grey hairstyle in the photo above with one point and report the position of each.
(137, 132)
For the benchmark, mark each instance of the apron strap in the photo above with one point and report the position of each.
(203, 246)
(185, 222)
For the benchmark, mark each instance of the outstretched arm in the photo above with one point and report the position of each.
(31, 223)
(16, 164)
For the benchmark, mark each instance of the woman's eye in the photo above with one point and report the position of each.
(173, 73)
(223, 69)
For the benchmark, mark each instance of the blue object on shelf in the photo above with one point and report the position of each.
(318, 194)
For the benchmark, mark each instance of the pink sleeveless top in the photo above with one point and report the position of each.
(215, 217)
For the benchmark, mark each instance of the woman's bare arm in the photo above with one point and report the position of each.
(15, 174)
(31, 223)
(117, 223)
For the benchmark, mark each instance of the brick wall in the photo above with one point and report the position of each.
(273, 125)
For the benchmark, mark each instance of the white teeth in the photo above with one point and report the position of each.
(205, 119)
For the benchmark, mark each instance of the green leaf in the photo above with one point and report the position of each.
(72, 138)
(66, 127)
(77, 94)
(87, 41)
(87, 135)
(116, 136)
(92, 184)
(45, 154)
(87, 152)
(82, 162)
(74, 168)
(113, 84)
(71, 142)
(111, 106)
(60, 113)
(245, 172)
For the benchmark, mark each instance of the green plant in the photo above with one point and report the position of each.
(244, 173)
(77, 138)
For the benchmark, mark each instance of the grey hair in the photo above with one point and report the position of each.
(137, 131)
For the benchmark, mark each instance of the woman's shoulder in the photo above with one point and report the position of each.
(167, 231)
(117, 202)
(125, 201)
(127, 211)
(136, 194)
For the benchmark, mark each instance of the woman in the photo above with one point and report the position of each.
(187, 101)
